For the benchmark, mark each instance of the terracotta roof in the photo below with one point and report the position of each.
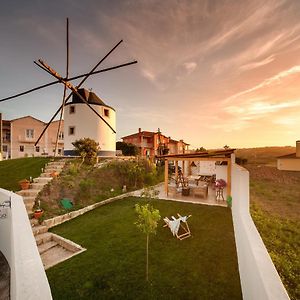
(27, 117)
(144, 133)
(289, 156)
(151, 134)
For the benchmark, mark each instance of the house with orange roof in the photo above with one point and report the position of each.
(152, 143)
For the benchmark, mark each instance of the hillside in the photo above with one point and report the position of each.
(264, 155)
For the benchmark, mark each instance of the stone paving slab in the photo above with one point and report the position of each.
(45, 247)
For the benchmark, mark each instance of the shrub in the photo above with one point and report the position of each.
(87, 149)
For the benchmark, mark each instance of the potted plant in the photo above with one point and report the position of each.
(54, 174)
(24, 183)
(38, 212)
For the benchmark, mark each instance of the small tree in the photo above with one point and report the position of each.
(148, 218)
(87, 149)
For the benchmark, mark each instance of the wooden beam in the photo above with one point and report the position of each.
(200, 158)
(229, 178)
(176, 170)
(189, 168)
(166, 176)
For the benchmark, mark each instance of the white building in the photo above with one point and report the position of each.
(290, 162)
(81, 122)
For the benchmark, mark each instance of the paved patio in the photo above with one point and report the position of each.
(210, 200)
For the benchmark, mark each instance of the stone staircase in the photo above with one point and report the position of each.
(52, 248)
(38, 184)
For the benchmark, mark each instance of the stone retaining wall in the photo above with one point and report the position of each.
(74, 214)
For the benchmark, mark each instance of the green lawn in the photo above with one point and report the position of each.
(14, 170)
(113, 267)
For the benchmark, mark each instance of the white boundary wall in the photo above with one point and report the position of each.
(259, 278)
(28, 279)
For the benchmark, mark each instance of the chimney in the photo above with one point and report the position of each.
(298, 148)
(140, 130)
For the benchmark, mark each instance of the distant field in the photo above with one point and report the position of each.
(14, 170)
(265, 155)
(275, 208)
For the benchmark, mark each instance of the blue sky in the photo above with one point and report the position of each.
(210, 72)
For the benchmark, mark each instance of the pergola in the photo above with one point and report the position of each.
(218, 155)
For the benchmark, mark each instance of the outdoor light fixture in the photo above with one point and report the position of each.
(4, 208)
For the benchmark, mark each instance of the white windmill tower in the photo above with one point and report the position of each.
(81, 122)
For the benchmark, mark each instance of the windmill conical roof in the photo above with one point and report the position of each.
(89, 96)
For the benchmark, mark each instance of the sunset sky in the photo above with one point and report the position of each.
(211, 72)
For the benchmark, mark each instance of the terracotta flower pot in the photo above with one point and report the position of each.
(54, 174)
(25, 184)
(38, 213)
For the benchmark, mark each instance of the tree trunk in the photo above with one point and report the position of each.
(147, 254)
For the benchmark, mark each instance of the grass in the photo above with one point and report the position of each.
(282, 239)
(275, 210)
(113, 267)
(14, 170)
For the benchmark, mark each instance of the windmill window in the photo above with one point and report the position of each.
(106, 112)
(71, 130)
(72, 109)
(37, 148)
(21, 148)
(4, 148)
(61, 135)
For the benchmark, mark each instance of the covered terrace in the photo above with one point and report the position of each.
(195, 176)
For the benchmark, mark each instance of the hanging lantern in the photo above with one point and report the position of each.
(193, 164)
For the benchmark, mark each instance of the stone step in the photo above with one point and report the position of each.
(46, 174)
(38, 185)
(29, 212)
(43, 238)
(29, 208)
(53, 168)
(28, 193)
(45, 247)
(55, 255)
(59, 162)
(28, 199)
(42, 179)
(34, 222)
(39, 229)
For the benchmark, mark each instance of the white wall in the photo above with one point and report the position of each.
(28, 277)
(88, 124)
(204, 168)
(259, 278)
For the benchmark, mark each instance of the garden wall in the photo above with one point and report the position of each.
(259, 278)
(27, 275)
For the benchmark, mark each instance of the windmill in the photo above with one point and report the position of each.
(75, 90)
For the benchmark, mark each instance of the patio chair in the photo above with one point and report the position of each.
(177, 225)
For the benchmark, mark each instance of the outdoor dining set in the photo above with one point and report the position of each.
(197, 186)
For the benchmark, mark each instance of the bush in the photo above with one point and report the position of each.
(135, 173)
(127, 149)
(87, 149)
(241, 160)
